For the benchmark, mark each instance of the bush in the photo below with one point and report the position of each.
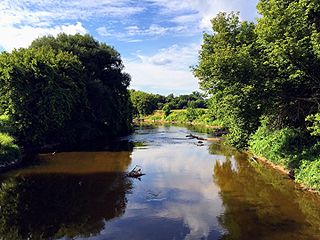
(166, 110)
(4, 123)
(315, 124)
(281, 146)
(9, 151)
(309, 174)
(292, 148)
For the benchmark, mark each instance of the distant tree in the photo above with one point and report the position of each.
(143, 103)
(181, 102)
(166, 110)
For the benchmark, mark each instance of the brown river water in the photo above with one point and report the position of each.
(188, 192)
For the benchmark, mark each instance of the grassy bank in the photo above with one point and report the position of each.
(9, 151)
(291, 148)
(192, 116)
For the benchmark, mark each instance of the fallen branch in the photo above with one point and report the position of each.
(135, 172)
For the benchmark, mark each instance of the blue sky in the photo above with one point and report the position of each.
(158, 39)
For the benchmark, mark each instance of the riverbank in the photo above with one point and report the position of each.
(285, 150)
(290, 149)
(193, 116)
(280, 168)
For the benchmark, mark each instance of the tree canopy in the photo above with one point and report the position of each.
(229, 70)
(266, 69)
(146, 103)
(64, 89)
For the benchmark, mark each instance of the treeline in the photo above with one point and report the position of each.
(146, 103)
(264, 82)
(64, 90)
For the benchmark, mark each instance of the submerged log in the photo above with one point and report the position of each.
(136, 172)
(196, 137)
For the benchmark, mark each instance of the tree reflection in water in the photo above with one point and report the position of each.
(260, 204)
(44, 206)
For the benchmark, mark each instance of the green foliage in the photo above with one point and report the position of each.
(177, 116)
(291, 148)
(269, 69)
(315, 124)
(309, 174)
(284, 146)
(40, 93)
(199, 116)
(9, 151)
(288, 33)
(144, 103)
(4, 123)
(194, 100)
(229, 70)
(166, 110)
(66, 89)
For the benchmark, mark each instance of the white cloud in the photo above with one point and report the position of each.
(202, 11)
(152, 30)
(102, 31)
(23, 21)
(166, 71)
(187, 18)
(48, 11)
(130, 33)
(176, 57)
(14, 37)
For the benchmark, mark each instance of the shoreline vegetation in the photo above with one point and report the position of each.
(281, 159)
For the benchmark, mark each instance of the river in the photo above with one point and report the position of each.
(190, 191)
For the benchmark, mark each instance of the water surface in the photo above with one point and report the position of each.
(188, 192)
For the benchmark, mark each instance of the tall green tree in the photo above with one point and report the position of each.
(288, 33)
(64, 89)
(108, 101)
(39, 92)
(229, 70)
(144, 103)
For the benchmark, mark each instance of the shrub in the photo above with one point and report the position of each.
(9, 151)
(280, 146)
(309, 174)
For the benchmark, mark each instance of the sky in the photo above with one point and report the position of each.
(158, 40)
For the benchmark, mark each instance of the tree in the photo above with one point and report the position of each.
(166, 110)
(41, 90)
(230, 70)
(288, 33)
(109, 107)
(144, 103)
(66, 89)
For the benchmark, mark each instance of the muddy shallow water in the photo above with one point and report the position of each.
(188, 192)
